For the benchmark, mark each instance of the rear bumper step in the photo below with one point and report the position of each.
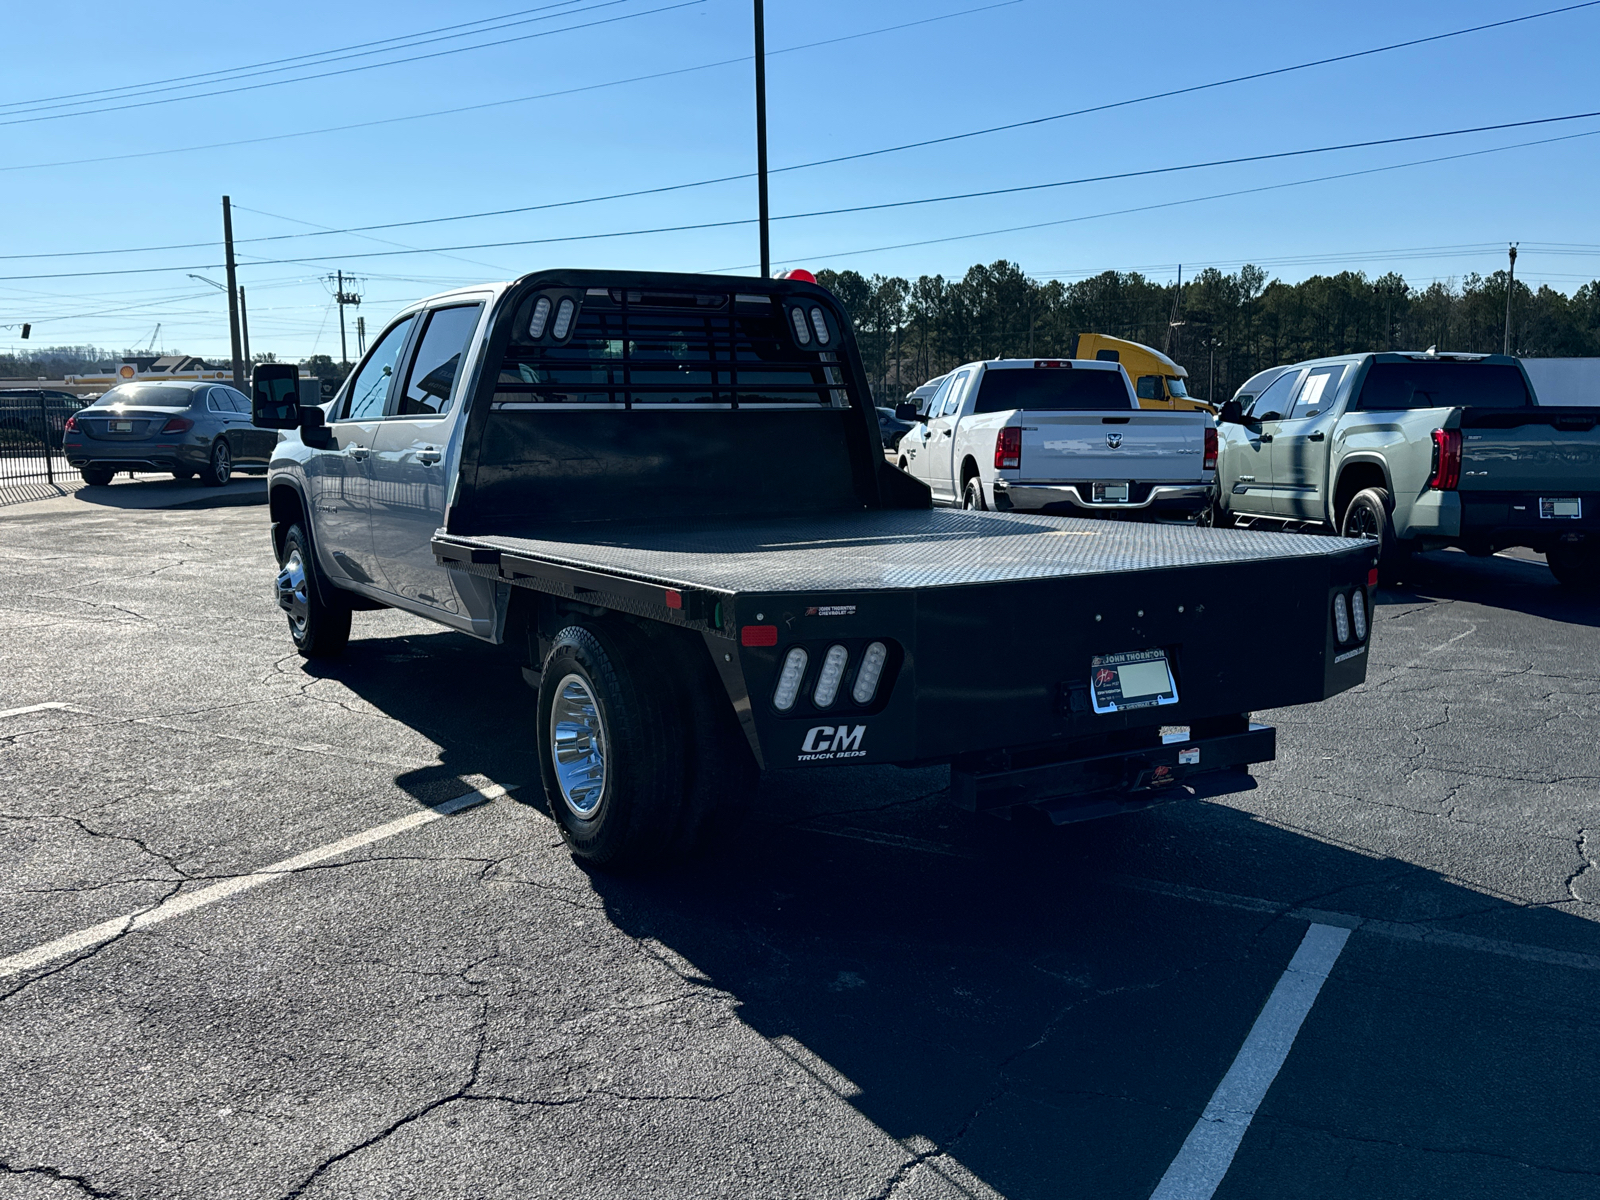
(1084, 788)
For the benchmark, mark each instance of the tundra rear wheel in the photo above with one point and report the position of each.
(1368, 517)
(972, 497)
(1575, 565)
(610, 750)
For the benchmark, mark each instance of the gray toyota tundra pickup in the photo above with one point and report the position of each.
(1418, 451)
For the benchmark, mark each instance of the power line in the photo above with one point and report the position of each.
(374, 66)
(248, 70)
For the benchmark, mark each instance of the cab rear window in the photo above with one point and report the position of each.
(1392, 385)
(1060, 389)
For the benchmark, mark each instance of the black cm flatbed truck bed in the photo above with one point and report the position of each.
(992, 622)
(671, 496)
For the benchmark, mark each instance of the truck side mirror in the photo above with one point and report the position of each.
(275, 396)
(905, 411)
(1232, 413)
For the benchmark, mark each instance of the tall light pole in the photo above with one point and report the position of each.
(233, 293)
(761, 137)
(1511, 283)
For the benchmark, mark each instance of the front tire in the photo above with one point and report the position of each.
(1369, 516)
(319, 622)
(611, 751)
(1575, 566)
(96, 476)
(220, 469)
(972, 496)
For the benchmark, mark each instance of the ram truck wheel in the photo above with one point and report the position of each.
(1369, 516)
(319, 621)
(611, 749)
(972, 497)
(1575, 566)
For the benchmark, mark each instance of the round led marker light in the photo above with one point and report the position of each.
(820, 325)
(802, 331)
(1341, 618)
(870, 672)
(830, 677)
(541, 314)
(564, 314)
(794, 666)
(1358, 610)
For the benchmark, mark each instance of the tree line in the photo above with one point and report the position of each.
(1222, 327)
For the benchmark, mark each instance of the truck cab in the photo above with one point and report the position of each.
(1160, 383)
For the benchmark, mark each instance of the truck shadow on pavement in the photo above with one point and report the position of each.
(1513, 584)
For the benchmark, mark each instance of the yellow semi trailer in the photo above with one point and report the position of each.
(1157, 380)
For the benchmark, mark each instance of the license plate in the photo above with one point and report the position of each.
(120, 426)
(1554, 510)
(1116, 492)
(1134, 679)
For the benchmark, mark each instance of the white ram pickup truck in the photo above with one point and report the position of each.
(1063, 436)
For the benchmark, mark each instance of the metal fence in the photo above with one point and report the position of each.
(31, 427)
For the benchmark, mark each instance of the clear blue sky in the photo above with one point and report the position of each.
(1006, 63)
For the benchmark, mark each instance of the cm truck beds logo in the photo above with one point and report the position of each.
(832, 741)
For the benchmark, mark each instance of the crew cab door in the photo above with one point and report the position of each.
(409, 484)
(939, 450)
(1244, 464)
(340, 476)
(1300, 446)
(915, 444)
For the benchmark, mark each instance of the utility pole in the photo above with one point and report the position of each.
(351, 297)
(233, 294)
(361, 336)
(761, 138)
(244, 327)
(1511, 283)
(1173, 322)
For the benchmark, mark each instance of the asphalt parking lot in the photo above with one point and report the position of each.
(870, 994)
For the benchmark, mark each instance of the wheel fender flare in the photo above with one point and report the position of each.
(1361, 458)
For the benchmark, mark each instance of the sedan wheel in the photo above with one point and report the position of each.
(220, 469)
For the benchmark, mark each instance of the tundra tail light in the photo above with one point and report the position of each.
(1210, 462)
(1446, 460)
(794, 668)
(1341, 618)
(1358, 613)
(1008, 449)
(830, 677)
(870, 671)
(178, 425)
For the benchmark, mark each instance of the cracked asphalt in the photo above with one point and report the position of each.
(869, 994)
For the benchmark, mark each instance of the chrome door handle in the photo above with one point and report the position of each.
(1316, 437)
(358, 452)
(427, 456)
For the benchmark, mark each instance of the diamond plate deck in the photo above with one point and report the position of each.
(886, 550)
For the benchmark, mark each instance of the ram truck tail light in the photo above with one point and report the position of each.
(1446, 460)
(178, 425)
(1008, 449)
(1210, 462)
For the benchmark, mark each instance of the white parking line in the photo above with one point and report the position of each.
(26, 960)
(1209, 1149)
(32, 708)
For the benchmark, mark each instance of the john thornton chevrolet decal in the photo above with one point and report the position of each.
(831, 610)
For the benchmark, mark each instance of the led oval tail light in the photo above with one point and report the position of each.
(794, 669)
(870, 671)
(802, 331)
(1358, 612)
(830, 677)
(541, 314)
(1341, 618)
(820, 324)
(564, 314)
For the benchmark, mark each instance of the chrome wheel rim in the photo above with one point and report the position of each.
(293, 596)
(578, 746)
(222, 462)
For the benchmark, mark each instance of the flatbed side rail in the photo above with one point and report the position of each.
(703, 609)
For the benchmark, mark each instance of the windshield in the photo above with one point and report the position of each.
(1176, 389)
(1072, 389)
(146, 395)
(1443, 385)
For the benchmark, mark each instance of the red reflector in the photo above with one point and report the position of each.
(1210, 463)
(1372, 577)
(758, 635)
(800, 273)
(1048, 362)
(674, 598)
(1008, 449)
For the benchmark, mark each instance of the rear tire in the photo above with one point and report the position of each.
(96, 476)
(972, 496)
(611, 751)
(319, 621)
(1575, 566)
(220, 469)
(1369, 517)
